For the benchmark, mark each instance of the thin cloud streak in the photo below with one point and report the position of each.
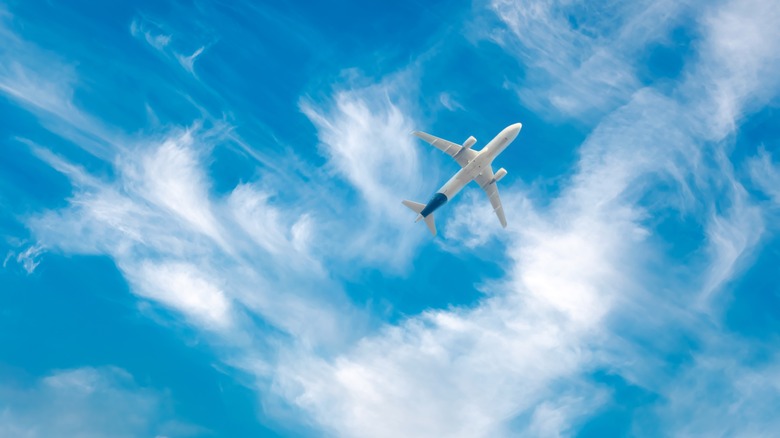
(365, 134)
(88, 402)
(160, 40)
(766, 175)
(579, 64)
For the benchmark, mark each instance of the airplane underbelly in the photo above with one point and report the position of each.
(456, 184)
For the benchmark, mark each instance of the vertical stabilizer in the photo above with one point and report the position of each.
(430, 223)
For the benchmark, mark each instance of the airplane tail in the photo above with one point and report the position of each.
(418, 208)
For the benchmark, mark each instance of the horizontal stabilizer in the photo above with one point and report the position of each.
(414, 206)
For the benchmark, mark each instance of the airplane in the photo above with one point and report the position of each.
(475, 165)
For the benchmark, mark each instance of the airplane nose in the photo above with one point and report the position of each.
(515, 129)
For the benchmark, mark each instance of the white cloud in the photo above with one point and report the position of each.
(155, 37)
(183, 287)
(365, 135)
(171, 177)
(734, 78)
(765, 174)
(740, 62)
(264, 224)
(731, 235)
(29, 258)
(718, 394)
(188, 62)
(472, 222)
(43, 83)
(449, 102)
(554, 419)
(579, 58)
(88, 402)
(161, 39)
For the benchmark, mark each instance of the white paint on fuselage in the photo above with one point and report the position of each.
(482, 161)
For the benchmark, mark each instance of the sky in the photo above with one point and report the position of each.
(202, 233)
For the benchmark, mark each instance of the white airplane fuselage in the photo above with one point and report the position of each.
(474, 168)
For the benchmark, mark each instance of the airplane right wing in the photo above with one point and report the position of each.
(487, 181)
(461, 155)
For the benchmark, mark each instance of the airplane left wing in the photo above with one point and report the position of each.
(461, 155)
(486, 181)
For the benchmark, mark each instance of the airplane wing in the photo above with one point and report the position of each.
(461, 155)
(485, 180)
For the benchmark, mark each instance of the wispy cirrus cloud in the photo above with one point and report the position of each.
(28, 258)
(188, 62)
(579, 59)
(160, 39)
(739, 63)
(449, 102)
(88, 402)
(766, 175)
(44, 83)
(365, 134)
(740, 398)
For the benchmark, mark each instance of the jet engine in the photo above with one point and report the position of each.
(469, 142)
(500, 174)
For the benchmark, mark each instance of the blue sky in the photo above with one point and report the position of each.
(202, 232)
